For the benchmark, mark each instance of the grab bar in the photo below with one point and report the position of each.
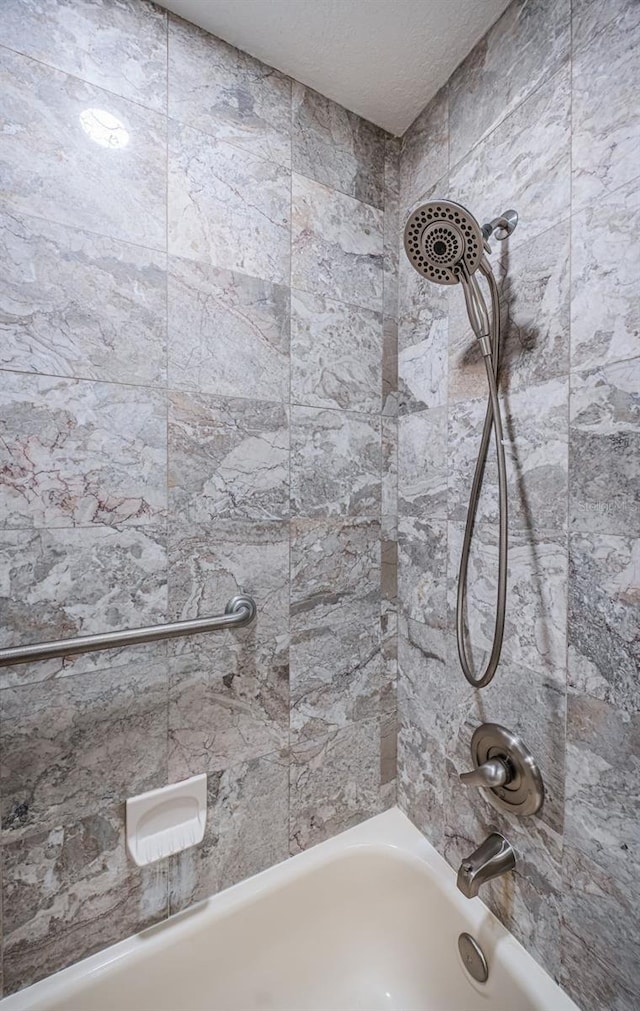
(240, 610)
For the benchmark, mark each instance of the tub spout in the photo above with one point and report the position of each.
(492, 858)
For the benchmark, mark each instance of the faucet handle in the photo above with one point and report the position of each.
(490, 774)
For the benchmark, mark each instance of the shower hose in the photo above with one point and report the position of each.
(493, 421)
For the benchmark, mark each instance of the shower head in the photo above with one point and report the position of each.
(443, 241)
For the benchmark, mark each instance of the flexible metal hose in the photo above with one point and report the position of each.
(493, 420)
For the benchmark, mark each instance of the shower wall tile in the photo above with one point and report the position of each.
(390, 367)
(228, 459)
(335, 463)
(336, 147)
(422, 552)
(70, 891)
(246, 831)
(422, 464)
(76, 304)
(336, 354)
(338, 670)
(590, 16)
(52, 169)
(226, 207)
(605, 114)
(424, 157)
(522, 50)
(76, 746)
(335, 783)
(226, 93)
(336, 245)
(604, 625)
(121, 47)
(228, 332)
(525, 162)
(227, 705)
(77, 453)
(65, 582)
(605, 441)
(602, 856)
(391, 226)
(389, 502)
(605, 302)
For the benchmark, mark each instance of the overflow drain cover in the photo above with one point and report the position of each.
(473, 958)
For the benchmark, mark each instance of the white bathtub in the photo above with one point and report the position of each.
(368, 920)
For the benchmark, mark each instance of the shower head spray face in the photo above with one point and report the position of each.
(439, 237)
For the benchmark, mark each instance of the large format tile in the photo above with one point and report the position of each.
(524, 165)
(337, 664)
(76, 304)
(53, 169)
(604, 624)
(422, 569)
(228, 458)
(523, 48)
(605, 114)
(604, 444)
(65, 582)
(422, 464)
(226, 207)
(246, 831)
(425, 151)
(336, 147)
(226, 93)
(335, 783)
(78, 745)
(391, 226)
(589, 17)
(337, 244)
(228, 332)
(118, 46)
(76, 453)
(605, 295)
(69, 892)
(601, 856)
(336, 354)
(335, 463)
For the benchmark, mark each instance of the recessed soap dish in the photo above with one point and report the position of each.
(166, 821)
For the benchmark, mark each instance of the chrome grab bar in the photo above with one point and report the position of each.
(240, 610)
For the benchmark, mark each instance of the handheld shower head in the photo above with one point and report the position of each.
(443, 241)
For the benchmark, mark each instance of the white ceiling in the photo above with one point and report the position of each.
(383, 59)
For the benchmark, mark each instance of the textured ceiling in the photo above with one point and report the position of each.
(383, 59)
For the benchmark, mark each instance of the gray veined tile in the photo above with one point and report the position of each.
(605, 116)
(424, 155)
(118, 46)
(522, 49)
(53, 169)
(605, 302)
(605, 437)
(227, 207)
(76, 304)
(246, 832)
(65, 582)
(391, 226)
(336, 353)
(337, 245)
(336, 147)
(389, 503)
(76, 453)
(335, 783)
(227, 93)
(337, 666)
(422, 464)
(422, 569)
(604, 632)
(76, 746)
(590, 16)
(228, 458)
(525, 164)
(228, 332)
(70, 891)
(335, 463)
(390, 366)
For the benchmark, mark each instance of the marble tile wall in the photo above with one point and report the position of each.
(199, 393)
(543, 116)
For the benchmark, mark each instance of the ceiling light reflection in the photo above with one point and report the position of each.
(103, 128)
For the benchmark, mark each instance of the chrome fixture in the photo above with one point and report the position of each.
(492, 858)
(445, 244)
(506, 769)
(241, 610)
(473, 958)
